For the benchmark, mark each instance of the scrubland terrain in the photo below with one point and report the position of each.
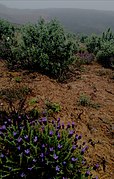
(96, 124)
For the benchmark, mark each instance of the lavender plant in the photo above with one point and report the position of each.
(85, 57)
(41, 149)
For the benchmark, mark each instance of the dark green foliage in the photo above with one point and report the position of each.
(43, 46)
(106, 54)
(103, 47)
(93, 43)
(6, 29)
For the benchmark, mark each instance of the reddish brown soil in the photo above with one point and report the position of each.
(96, 124)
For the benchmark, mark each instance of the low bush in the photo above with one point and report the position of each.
(14, 98)
(85, 57)
(41, 149)
(86, 101)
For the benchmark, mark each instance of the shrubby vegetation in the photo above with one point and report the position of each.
(48, 48)
(103, 47)
(44, 46)
(41, 149)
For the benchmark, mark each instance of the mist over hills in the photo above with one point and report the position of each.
(75, 20)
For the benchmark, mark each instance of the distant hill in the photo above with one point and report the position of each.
(75, 20)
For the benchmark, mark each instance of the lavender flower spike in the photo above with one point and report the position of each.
(27, 151)
(55, 156)
(57, 168)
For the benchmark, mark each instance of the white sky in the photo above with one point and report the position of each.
(82, 4)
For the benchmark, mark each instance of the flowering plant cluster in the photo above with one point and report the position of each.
(85, 57)
(41, 149)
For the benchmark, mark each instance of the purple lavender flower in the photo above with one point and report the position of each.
(56, 131)
(83, 150)
(40, 121)
(43, 128)
(95, 167)
(63, 126)
(2, 156)
(58, 136)
(70, 134)
(59, 126)
(64, 163)
(55, 156)
(59, 146)
(76, 138)
(27, 151)
(43, 146)
(19, 139)
(19, 117)
(83, 162)
(26, 137)
(44, 113)
(68, 125)
(57, 168)
(34, 160)
(73, 124)
(42, 155)
(5, 122)
(19, 148)
(44, 120)
(3, 128)
(51, 149)
(9, 120)
(79, 137)
(73, 148)
(22, 175)
(9, 168)
(35, 139)
(74, 159)
(30, 168)
(14, 133)
(1, 134)
(58, 120)
(50, 133)
(53, 122)
(87, 173)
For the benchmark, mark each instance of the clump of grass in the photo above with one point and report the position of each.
(85, 100)
(33, 101)
(52, 107)
(15, 97)
(18, 79)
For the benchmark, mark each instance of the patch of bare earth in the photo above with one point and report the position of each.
(95, 124)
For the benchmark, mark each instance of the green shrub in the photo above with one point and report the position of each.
(44, 46)
(106, 54)
(93, 43)
(6, 28)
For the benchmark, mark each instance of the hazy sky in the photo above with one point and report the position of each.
(83, 4)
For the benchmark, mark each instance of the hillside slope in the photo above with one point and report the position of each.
(95, 124)
(75, 20)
